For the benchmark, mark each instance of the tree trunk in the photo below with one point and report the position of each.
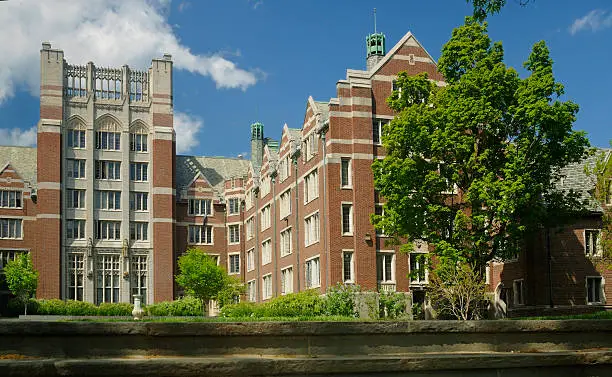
(25, 308)
(204, 313)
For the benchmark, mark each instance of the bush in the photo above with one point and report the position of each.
(115, 309)
(70, 307)
(15, 307)
(51, 307)
(302, 304)
(184, 306)
(340, 301)
(244, 309)
(80, 308)
(392, 305)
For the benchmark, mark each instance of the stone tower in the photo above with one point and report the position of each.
(257, 143)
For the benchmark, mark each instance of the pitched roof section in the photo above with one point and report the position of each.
(22, 159)
(409, 40)
(215, 169)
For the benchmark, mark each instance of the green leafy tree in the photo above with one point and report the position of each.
(483, 8)
(471, 166)
(458, 292)
(200, 276)
(22, 278)
(602, 172)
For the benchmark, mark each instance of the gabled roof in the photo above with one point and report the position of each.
(22, 159)
(215, 169)
(395, 48)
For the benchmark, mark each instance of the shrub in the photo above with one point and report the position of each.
(184, 306)
(303, 304)
(340, 300)
(243, 309)
(115, 309)
(51, 307)
(392, 305)
(80, 308)
(15, 307)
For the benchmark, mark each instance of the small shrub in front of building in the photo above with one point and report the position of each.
(184, 306)
(340, 300)
(115, 309)
(392, 305)
(71, 308)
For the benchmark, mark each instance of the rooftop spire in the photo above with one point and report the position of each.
(375, 46)
(374, 20)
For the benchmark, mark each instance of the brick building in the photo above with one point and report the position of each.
(105, 205)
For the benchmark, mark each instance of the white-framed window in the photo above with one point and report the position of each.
(200, 207)
(75, 198)
(310, 146)
(139, 279)
(138, 142)
(200, 234)
(385, 267)
(11, 228)
(312, 273)
(108, 170)
(108, 230)
(285, 242)
(252, 290)
(10, 199)
(110, 141)
(285, 204)
(346, 180)
(109, 200)
(311, 186)
(287, 280)
(215, 258)
(377, 130)
(347, 219)
(6, 256)
(265, 186)
(75, 168)
(139, 201)
(234, 263)
(250, 259)
(267, 286)
(518, 292)
(348, 266)
(379, 210)
(284, 169)
(311, 229)
(248, 199)
(594, 286)
(233, 206)
(418, 268)
(139, 231)
(265, 217)
(250, 228)
(395, 87)
(266, 252)
(107, 278)
(76, 271)
(75, 229)
(139, 171)
(76, 139)
(234, 233)
(592, 245)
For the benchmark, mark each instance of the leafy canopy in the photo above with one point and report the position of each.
(21, 278)
(471, 166)
(483, 8)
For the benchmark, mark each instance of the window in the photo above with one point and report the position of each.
(110, 200)
(395, 87)
(377, 130)
(252, 290)
(312, 274)
(518, 288)
(10, 228)
(609, 192)
(284, 169)
(234, 233)
(287, 280)
(139, 277)
(311, 229)
(311, 186)
(139, 171)
(379, 211)
(251, 260)
(6, 256)
(594, 290)
(233, 205)
(385, 266)
(10, 199)
(285, 242)
(345, 172)
(139, 231)
(138, 142)
(200, 234)
(76, 138)
(250, 227)
(75, 168)
(267, 286)
(110, 141)
(310, 146)
(265, 217)
(285, 204)
(75, 276)
(591, 243)
(248, 200)
(347, 219)
(234, 264)
(265, 186)
(348, 267)
(198, 207)
(75, 229)
(75, 198)
(108, 170)
(107, 278)
(418, 270)
(108, 230)
(266, 252)
(139, 201)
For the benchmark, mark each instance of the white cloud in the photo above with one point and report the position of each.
(107, 32)
(17, 136)
(187, 128)
(256, 3)
(595, 20)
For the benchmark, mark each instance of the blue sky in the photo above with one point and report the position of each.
(239, 61)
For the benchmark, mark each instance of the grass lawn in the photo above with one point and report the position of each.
(223, 319)
(596, 315)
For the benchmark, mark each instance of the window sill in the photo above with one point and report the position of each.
(310, 200)
(234, 243)
(265, 264)
(349, 187)
(199, 244)
(234, 273)
(286, 255)
(350, 234)
(310, 244)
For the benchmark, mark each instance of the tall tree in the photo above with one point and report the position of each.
(22, 278)
(483, 8)
(471, 166)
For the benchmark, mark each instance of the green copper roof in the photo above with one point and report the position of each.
(375, 44)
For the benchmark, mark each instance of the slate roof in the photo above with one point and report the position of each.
(22, 159)
(215, 169)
